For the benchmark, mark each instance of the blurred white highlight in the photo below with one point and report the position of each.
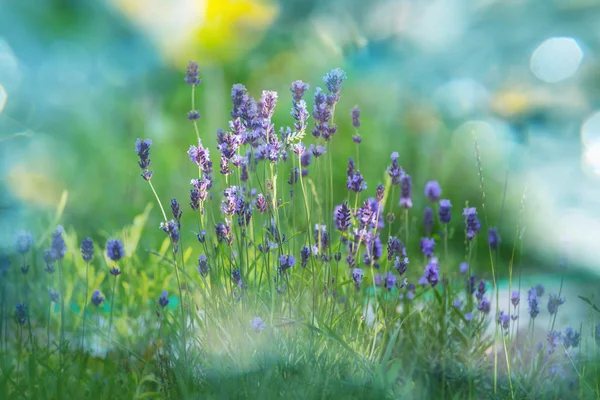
(556, 59)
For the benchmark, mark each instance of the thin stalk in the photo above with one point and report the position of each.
(183, 324)
(87, 288)
(110, 318)
(158, 201)
(62, 311)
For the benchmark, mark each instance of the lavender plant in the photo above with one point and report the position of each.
(280, 266)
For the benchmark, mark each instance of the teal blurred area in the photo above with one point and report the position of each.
(80, 81)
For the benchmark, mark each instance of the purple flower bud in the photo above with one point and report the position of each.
(286, 262)
(357, 139)
(357, 276)
(394, 170)
(114, 271)
(433, 191)
(395, 247)
(191, 74)
(554, 340)
(533, 306)
(554, 301)
(571, 338)
(202, 265)
(87, 249)
(193, 115)
(481, 289)
(463, 268)
(427, 246)
(428, 220)
(54, 296)
(432, 272)
(504, 320)
(493, 238)
(261, 203)
(405, 191)
(294, 176)
(23, 242)
(163, 300)
(484, 305)
(298, 89)
(515, 297)
(58, 246)
(333, 81)
(342, 217)
(355, 112)
(115, 249)
(471, 222)
(142, 148)
(379, 193)
(97, 298)
(223, 232)
(445, 211)
(49, 260)
(318, 150)
(257, 324)
(401, 264)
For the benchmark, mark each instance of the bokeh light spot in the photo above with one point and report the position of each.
(3, 98)
(590, 130)
(556, 59)
(591, 158)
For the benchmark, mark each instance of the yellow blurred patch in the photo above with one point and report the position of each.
(511, 103)
(33, 188)
(211, 31)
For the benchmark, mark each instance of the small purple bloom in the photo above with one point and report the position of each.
(257, 324)
(390, 280)
(427, 246)
(58, 245)
(481, 289)
(193, 115)
(114, 271)
(395, 247)
(504, 320)
(49, 260)
(357, 276)
(554, 301)
(304, 255)
(555, 339)
(445, 211)
(333, 81)
(401, 264)
(484, 305)
(493, 238)
(428, 220)
(539, 290)
(342, 217)
(405, 191)
(355, 112)
(142, 148)
(298, 89)
(163, 300)
(357, 139)
(571, 338)
(286, 262)
(87, 249)
(115, 249)
(394, 170)
(432, 272)
(202, 265)
(463, 268)
(469, 316)
(97, 298)
(515, 297)
(471, 222)
(191, 74)
(23, 242)
(533, 306)
(433, 191)
(261, 203)
(379, 193)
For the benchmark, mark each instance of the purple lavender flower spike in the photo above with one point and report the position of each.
(202, 265)
(515, 298)
(87, 249)
(481, 289)
(433, 191)
(571, 338)
(97, 298)
(115, 249)
(193, 115)
(401, 264)
(163, 300)
(357, 276)
(142, 148)
(286, 261)
(58, 246)
(261, 203)
(333, 81)
(355, 112)
(394, 170)
(49, 260)
(493, 238)
(379, 193)
(504, 320)
(555, 339)
(432, 272)
(554, 301)
(23, 242)
(298, 89)
(427, 246)
(405, 193)
(533, 306)
(471, 222)
(342, 216)
(445, 211)
(304, 255)
(257, 324)
(428, 220)
(484, 305)
(191, 74)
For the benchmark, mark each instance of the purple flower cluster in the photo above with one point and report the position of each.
(142, 148)
(472, 223)
(87, 249)
(355, 181)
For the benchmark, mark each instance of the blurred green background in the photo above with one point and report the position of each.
(80, 81)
